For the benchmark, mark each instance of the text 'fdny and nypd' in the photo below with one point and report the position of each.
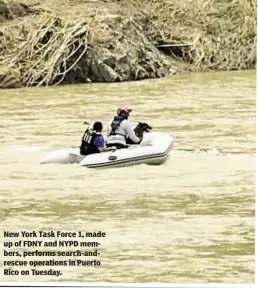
(45, 253)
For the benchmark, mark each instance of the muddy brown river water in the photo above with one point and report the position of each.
(190, 220)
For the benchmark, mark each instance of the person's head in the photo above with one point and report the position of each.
(124, 111)
(98, 127)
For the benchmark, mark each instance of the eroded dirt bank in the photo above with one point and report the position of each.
(47, 43)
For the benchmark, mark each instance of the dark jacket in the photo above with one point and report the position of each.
(87, 144)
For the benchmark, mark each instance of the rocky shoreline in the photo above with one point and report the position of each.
(108, 41)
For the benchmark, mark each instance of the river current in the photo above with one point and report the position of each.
(190, 220)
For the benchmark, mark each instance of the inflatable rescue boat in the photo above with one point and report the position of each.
(153, 150)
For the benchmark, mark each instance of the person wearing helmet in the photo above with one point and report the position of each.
(120, 128)
(92, 140)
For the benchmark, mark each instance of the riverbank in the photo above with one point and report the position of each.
(76, 41)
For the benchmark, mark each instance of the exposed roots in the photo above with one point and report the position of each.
(53, 42)
(221, 34)
(46, 57)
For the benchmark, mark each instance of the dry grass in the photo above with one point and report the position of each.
(45, 58)
(222, 32)
(45, 47)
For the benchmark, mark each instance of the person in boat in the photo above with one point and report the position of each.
(120, 128)
(92, 140)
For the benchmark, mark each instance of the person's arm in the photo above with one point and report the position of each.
(100, 143)
(131, 134)
(103, 149)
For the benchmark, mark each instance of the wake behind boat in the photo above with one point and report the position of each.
(153, 150)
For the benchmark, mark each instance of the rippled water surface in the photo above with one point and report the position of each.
(190, 220)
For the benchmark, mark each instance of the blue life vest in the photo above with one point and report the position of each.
(115, 124)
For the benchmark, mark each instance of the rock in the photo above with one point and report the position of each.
(132, 57)
(160, 74)
(141, 73)
(172, 71)
(10, 78)
(12, 9)
(108, 73)
(121, 58)
(109, 59)
(103, 72)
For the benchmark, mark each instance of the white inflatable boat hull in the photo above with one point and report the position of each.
(154, 149)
